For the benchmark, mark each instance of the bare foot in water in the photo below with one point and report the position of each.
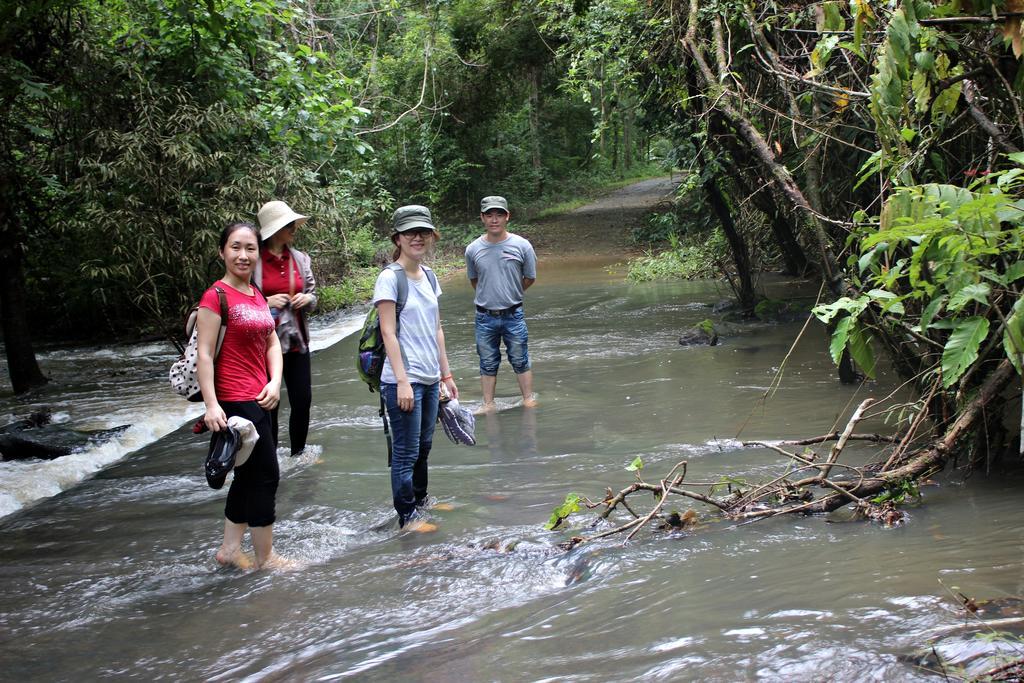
(486, 409)
(234, 558)
(530, 402)
(282, 564)
(420, 526)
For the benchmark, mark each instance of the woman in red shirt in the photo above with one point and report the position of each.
(236, 384)
(285, 276)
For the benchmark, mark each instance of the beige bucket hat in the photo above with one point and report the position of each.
(275, 215)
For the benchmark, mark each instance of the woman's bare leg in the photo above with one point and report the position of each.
(263, 543)
(230, 551)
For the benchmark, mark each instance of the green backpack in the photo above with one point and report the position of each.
(371, 354)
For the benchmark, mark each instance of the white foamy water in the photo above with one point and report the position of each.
(110, 387)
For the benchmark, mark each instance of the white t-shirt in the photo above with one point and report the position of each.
(417, 329)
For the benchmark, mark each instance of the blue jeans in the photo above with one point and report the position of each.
(510, 328)
(412, 434)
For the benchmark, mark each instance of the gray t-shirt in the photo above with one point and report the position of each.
(417, 331)
(499, 269)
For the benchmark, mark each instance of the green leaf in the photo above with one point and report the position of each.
(869, 257)
(825, 312)
(1008, 179)
(821, 54)
(945, 102)
(863, 16)
(890, 303)
(1013, 336)
(930, 312)
(977, 292)
(832, 18)
(860, 349)
(636, 465)
(1015, 271)
(569, 506)
(839, 339)
(962, 348)
(869, 168)
(922, 92)
(854, 48)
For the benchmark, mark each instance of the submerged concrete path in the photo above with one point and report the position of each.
(604, 225)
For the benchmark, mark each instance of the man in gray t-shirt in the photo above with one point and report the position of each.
(501, 266)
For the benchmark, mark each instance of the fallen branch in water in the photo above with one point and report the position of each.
(875, 490)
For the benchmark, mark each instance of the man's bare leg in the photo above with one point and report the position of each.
(487, 386)
(525, 380)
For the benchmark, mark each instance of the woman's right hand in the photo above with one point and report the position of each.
(405, 396)
(277, 300)
(215, 418)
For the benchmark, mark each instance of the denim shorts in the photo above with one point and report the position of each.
(492, 330)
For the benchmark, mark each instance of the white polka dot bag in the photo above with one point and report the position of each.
(184, 373)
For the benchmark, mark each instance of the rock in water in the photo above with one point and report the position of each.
(701, 334)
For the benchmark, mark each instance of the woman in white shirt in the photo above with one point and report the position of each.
(416, 365)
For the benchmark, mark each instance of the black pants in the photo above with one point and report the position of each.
(298, 380)
(252, 496)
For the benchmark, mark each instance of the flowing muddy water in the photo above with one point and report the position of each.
(115, 577)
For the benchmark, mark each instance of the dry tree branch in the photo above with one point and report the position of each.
(841, 443)
(918, 419)
(665, 490)
(878, 438)
(423, 94)
(785, 495)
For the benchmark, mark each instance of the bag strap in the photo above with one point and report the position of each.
(403, 291)
(431, 278)
(299, 314)
(291, 279)
(223, 298)
(387, 428)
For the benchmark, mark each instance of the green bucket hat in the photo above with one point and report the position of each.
(411, 217)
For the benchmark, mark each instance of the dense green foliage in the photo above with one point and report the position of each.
(938, 272)
(874, 143)
(143, 126)
(886, 132)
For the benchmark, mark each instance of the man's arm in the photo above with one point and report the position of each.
(529, 266)
(472, 281)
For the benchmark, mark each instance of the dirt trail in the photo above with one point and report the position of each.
(601, 227)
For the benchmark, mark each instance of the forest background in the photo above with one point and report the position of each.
(875, 146)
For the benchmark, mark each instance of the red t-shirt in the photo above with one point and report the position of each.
(240, 371)
(276, 271)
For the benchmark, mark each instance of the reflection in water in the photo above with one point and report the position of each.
(115, 576)
(512, 445)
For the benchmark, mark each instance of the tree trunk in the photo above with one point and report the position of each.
(627, 134)
(604, 108)
(615, 147)
(741, 256)
(759, 147)
(792, 254)
(535, 77)
(21, 357)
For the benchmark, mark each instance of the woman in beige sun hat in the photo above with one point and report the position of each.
(285, 276)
